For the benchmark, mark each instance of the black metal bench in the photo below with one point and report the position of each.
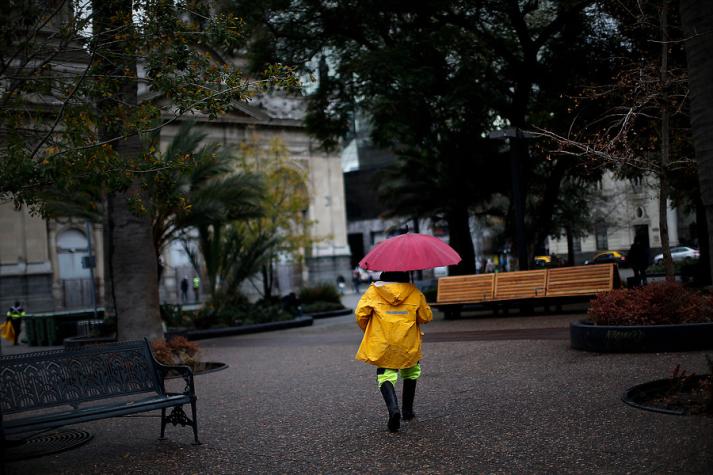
(50, 389)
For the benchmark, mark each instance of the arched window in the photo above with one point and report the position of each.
(72, 246)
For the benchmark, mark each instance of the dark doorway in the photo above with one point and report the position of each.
(641, 231)
(356, 244)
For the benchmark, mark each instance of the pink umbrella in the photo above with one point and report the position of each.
(408, 252)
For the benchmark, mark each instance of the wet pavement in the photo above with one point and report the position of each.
(498, 395)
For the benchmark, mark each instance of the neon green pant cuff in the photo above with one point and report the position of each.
(392, 375)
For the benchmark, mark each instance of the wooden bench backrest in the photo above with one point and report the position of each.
(580, 280)
(520, 284)
(466, 288)
(58, 377)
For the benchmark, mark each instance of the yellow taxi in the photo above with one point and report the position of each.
(542, 261)
(607, 257)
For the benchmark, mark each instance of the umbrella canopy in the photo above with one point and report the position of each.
(409, 252)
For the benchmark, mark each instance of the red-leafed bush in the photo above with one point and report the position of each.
(659, 303)
(177, 350)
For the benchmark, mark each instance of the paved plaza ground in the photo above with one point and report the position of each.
(498, 395)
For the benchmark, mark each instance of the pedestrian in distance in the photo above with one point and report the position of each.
(184, 290)
(356, 279)
(390, 313)
(196, 287)
(341, 284)
(15, 316)
(638, 259)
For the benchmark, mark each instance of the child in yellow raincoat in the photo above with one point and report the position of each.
(389, 313)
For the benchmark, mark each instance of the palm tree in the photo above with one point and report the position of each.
(229, 257)
(204, 191)
(697, 19)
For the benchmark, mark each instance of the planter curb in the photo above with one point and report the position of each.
(241, 330)
(635, 394)
(331, 313)
(586, 336)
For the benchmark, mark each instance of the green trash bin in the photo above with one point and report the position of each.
(30, 333)
(61, 326)
(35, 330)
(41, 330)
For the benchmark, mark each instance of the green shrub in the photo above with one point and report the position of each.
(430, 293)
(174, 316)
(317, 307)
(658, 303)
(320, 293)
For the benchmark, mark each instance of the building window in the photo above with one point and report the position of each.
(576, 244)
(600, 234)
(636, 183)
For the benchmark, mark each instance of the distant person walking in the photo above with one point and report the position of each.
(389, 313)
(356, 279)
(196, 287)
(184, 290)
(638, 259)
(15, 316)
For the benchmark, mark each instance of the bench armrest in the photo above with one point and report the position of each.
(184, 371)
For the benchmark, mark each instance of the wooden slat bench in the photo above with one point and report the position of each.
(466, 288)
(528, 284)
(581, 281)
(49, 389)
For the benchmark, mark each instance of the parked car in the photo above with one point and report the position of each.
(542, 261)
(547, 261)
(607, 257)
(680, 253)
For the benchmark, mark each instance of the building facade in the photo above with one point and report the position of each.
(628, 208)
(44, 263)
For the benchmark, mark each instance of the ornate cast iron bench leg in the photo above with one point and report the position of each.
(163, 424)
(195, 422)
(178, 416)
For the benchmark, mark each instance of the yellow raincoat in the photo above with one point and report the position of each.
(389, 315)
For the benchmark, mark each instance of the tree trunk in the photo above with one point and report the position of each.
(697, 19)
(133, 266)
(541, 229)
(703, 271)
(131, 258)
(570, 246)
(460, 240)
(665, 147)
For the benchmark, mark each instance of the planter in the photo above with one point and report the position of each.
(241, 330)
(331, 313)
(584, 335)
(668, 396)
(79, 342)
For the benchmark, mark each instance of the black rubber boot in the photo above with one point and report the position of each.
(407, 400)
(392, 404)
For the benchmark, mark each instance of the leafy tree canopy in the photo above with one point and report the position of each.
(62, 107)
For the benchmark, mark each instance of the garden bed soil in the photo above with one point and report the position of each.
(585, 335)
(687, 395)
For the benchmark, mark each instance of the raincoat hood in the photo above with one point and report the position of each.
(394, 293)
